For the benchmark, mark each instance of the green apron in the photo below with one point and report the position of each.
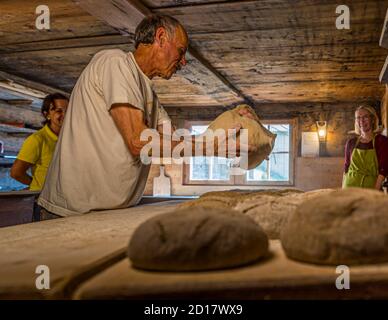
(363, 169)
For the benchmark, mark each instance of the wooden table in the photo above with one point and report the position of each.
(16, 207)
(73, 248)
(87, 259)
(276, 277)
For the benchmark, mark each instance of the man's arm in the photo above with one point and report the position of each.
(130, 122)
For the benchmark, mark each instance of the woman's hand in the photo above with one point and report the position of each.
(379, 182)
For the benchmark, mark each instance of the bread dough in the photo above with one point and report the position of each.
(269, 208)
(197, 239)
(246, 194)
(218, 203)
(272, 211)
(258, 135)
(230, 199)
(347, 226)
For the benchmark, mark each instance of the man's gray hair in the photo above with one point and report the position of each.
(146, 30)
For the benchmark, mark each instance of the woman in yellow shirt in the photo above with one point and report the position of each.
(38, 148)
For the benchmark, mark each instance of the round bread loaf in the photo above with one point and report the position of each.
(347, 226)
(197, 239)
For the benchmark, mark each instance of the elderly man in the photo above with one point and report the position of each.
(96, 164)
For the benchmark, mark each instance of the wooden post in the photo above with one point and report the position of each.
(384, 33)
(384, 111)
(384, 72)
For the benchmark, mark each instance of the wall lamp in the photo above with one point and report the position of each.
(322, 130)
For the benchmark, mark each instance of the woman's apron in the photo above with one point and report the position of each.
(363, 169)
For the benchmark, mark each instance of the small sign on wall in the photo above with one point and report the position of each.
(310, 144)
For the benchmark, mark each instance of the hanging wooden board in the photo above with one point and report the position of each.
(162, 184)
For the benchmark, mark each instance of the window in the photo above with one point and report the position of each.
(278, 170)
(208, 168)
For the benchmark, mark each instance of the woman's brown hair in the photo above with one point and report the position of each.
(48, 101)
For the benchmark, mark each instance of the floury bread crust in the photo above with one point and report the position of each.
(258, 135)
(195, 239)
(347, 226)
(271, 209)
(229, 199)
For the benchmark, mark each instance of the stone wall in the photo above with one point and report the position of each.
(309, 173)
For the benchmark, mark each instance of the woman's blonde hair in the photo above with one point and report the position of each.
(374, 118)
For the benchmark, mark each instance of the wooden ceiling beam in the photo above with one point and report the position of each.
(18, 114)
(122, 15)
(384, 33)
(60, 44)
(272, 14)
(26, 87)
(125, 15)
(384, 72)
(7, 128)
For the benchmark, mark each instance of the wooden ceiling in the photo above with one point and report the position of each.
(276, 51)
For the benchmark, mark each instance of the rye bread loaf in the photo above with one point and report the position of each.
(197, 239)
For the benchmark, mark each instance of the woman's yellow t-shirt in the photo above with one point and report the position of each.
(38, 150)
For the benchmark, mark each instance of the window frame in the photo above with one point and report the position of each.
(242, 179)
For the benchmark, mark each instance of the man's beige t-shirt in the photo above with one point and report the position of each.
(92, 168)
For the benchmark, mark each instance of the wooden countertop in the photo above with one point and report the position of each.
(87, 259)
(71, 247)
(276, 277)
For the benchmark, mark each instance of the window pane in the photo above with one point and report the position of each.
(259, 173)
(276, 169)
(220, 169)
(199, 168)
(282, 142)
(198, 129)
(279, 166)
(208, 168)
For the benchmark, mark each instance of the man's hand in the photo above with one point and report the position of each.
(221, 146)
(245, 112)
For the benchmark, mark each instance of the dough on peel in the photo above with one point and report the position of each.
(258, 135)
